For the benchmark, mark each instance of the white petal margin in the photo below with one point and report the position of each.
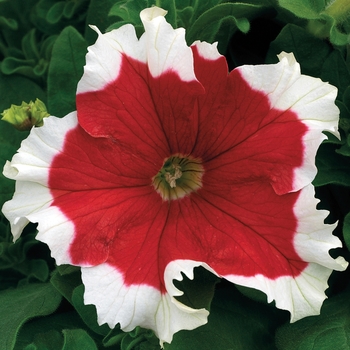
(103, 60)
(207, 51)
(142, 305)
(304, 294)
(32, 198)
(310, 98)
(166, 47)
(161, 47)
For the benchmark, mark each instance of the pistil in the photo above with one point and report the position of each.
(171, 177)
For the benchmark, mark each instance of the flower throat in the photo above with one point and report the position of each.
(178, 177)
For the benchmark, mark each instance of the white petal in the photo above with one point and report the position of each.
(166, 48)
(56, 230)
(207, 51)
(103, 60)
(165, 52)
(314, 239)
(302, 296)
(33, 159)
(137, 305)
(30, 168)
(29, 197)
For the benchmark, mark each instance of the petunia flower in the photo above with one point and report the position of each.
(170, 163)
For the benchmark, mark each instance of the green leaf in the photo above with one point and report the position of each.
(253, 294)
(328, 331)
(346, 99)
(17, 89)
(335, 71)
(309, 9)
(13, 65)
(139, 338)
(23, 261)
(208, 24)
(98, 16)
(29, 46)
(41, 340)
(129, 13)
(87, 312)
(65, 283)
(199, 292)
(56, 12)
(66, 69)
(184, 17)
(344, 150)
(333, 168)
(77, 339)
(344, 118)
(36, 268)
(200, 6)
(309, 51)
(21, 304)
(10, 140)
(46, 47)
(170, 6)
(69, 9)
(128, 10)
(337, 37)
(52, 16)
(68, 269)
(346, 230)
(14, 21)
(47, 331)
(8, 23)
(235, 322)
(326, 18)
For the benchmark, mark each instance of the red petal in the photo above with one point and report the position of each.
(88, 164)
(152, 116)
(245, 137)
(227, 227)
(93, 181)
(256, 229)
(230, 217)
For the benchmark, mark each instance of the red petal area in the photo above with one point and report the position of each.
(103, 189)
(149, 115)
(253, 230)
(88, 164)
(236, 223)
(241, 134)
(244, 230)
(249, 235)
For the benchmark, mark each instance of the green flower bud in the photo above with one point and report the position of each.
(27, 115)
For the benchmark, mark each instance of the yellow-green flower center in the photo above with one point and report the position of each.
(178, 177)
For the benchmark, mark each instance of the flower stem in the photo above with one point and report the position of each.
(339, 10)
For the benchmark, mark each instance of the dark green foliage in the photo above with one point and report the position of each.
(330, 330)
(65, 71)
(42, 53)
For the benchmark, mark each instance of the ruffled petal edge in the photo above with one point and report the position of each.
(142, 305)
(304, 294)
(311, 99)
(32, 198)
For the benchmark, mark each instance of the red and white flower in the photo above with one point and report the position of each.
(171, 163)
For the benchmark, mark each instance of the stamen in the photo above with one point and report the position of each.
(179, 176)
(171, 179)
